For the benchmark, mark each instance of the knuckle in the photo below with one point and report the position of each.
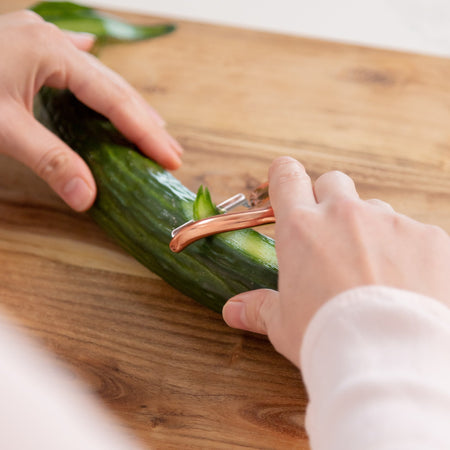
(399, 223)
(35, 32)
(44, 35)
(262, 313)
(52, 164)
(252, 312)
(50, 29)
(258, 311)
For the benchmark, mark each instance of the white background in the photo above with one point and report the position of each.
(420, 26)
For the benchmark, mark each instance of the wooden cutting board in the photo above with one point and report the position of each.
(171, 370)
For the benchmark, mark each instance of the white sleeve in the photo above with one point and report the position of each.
(376, 365)
(43, 407)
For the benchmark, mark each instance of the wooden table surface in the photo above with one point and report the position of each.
(170, 369)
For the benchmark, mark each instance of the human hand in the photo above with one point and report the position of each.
(328, 240)
(36, 53)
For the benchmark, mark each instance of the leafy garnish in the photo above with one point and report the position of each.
(74, 17)
(203, 205)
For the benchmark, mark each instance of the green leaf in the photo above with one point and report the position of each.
(203, 205)
(74, 17)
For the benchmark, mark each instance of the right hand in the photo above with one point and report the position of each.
(328, 240)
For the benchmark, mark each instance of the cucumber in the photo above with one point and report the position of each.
(139, 203)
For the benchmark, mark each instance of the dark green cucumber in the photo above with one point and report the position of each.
(139, 203)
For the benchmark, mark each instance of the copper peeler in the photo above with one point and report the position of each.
(259, 213)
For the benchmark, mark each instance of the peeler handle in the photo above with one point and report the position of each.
(219, 224)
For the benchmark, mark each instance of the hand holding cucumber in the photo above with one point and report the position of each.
(328, 240)
(36, 53)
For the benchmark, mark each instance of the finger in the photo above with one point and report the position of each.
(380, 204)
(126, 109)
(289, 186)
(50, 158)
(161, 122)
(85, 41)
(106, 92)
(251, 311)
(333, 185)
(25, 16)
(82, 41)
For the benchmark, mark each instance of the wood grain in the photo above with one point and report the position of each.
(168, 368)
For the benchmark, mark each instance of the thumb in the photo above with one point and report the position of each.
(49, 157)
(251, 311)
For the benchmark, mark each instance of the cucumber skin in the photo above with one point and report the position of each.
(138, 204)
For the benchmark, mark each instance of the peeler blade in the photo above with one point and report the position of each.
(257, 197)
(192, 231)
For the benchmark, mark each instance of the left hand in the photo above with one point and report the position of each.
(36, 53)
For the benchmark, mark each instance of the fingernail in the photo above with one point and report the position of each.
(77, 194)
(234, 314)
(86, 34)
(175, 145)
(82, 36)
(174, 163)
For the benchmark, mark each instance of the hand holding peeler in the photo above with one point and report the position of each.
(257, 214)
